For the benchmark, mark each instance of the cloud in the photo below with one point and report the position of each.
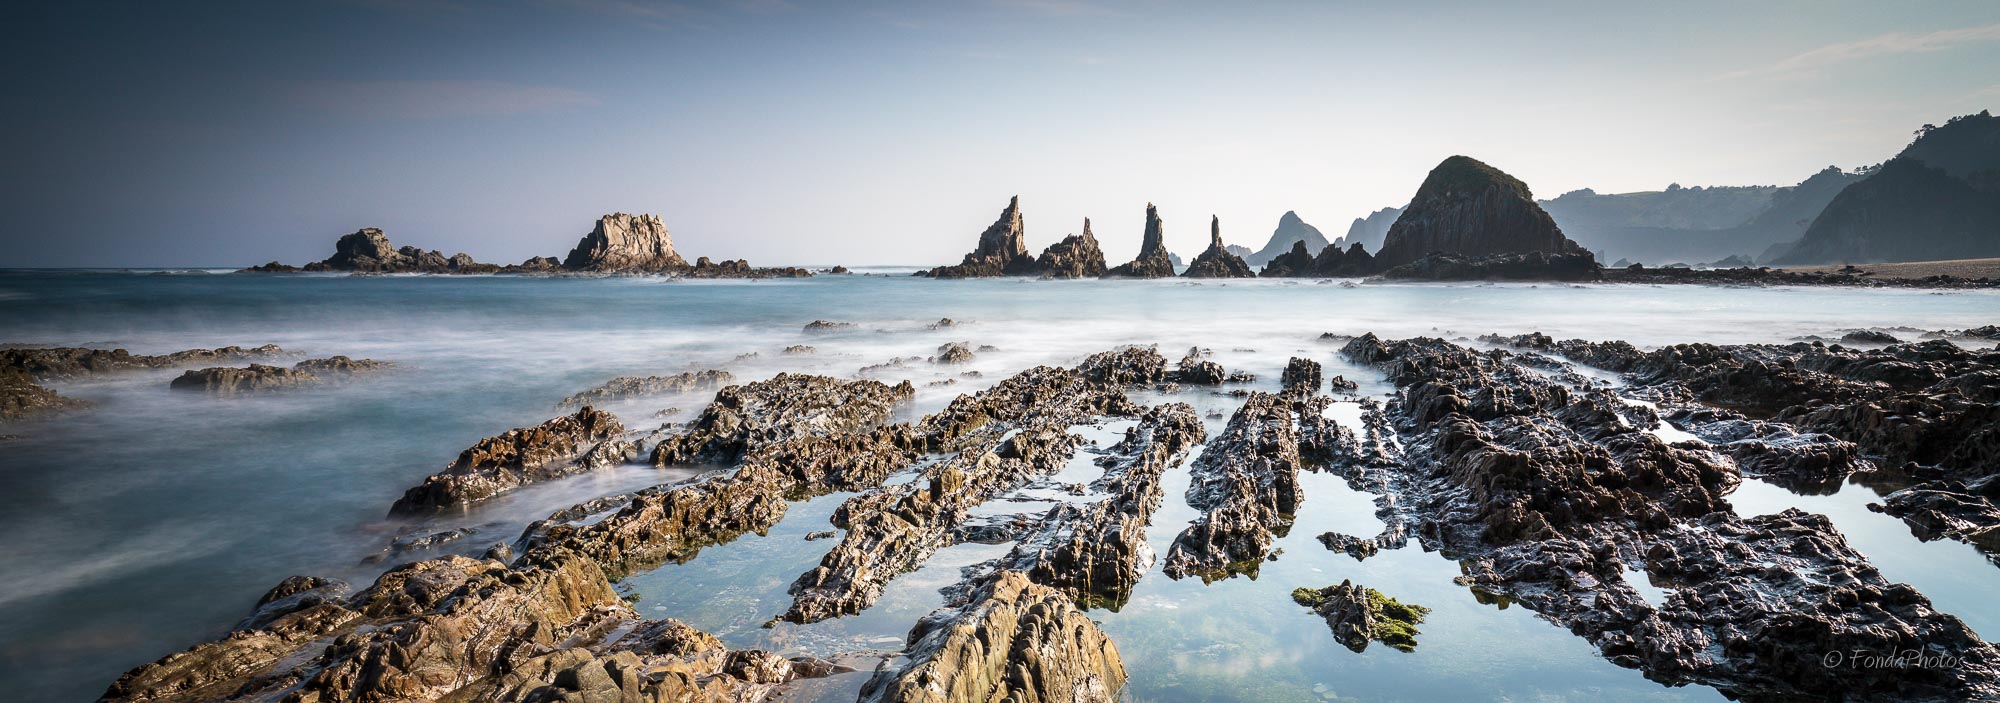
(424, 100)
(1890, 44)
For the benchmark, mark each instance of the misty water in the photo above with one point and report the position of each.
(154, 520)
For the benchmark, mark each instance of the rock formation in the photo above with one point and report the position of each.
(622, 243)
(1217, 262)
(22, 371)
(1153, 261)
(1002, 251)
(1371, 230)
(369, 251)
(1246, 483)
(1358, 615)
(1297, 263)
(1469, 208)
(628, 387)
(1290, 230)
(261, 378)
(1014, 641)
(1528, 266)
(1076, 256)
(1333, 263)
(565, 445)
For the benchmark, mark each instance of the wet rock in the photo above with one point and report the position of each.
(260, 378)
(629, 387)
(1469, 209)
(1358, 615)
(60, 363)
(1095, 553)
(562, 446)
(800, 350)
(1246, 483)
(1196, 369)
(1014, 641)
(1002, 250)
(1216, 261)
(1547, 496)
(953, 353)
(1125, 366)
(1076, 256)
(1869, 337)
(1968, 512)
(1301, 377)
(292, 595)
(821, 534)
(1154, 261)
(22, 399)
(622, 243)
(746, 418)
(942, 323)
(824, 326)
(1002, 437)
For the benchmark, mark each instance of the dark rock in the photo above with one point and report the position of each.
(260, 378)
(563, 446)
(629, 387)
(953, 353)
(1869, 337)
(1297, 263)
(1301, 377)
(1013, 640)
(1355, 262)
(1002, 250)
(1154, 261)
(1530, 266)
(824, 326)
(21, 398)
(1076, 256)
(1217, 262)
(1473, 210)
(60, 363)
(1246, 483)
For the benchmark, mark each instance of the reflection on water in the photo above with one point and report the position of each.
(157, 519)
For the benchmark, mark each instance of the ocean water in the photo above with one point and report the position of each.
(155, 520)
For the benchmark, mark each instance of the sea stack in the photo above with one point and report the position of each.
(368, 250)
(1076, 256)
(1153, 261)
(1003, 250)
(1217, 262)
(1290, 230)
(622, 243)
(1471, 209)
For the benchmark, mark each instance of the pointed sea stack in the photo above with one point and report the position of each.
(622, 243)
(1471, 209)
(1297, 263)
(1217, 262)
(1003, 250)
(1076, 256)
(1153, 261)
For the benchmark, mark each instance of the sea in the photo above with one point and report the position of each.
(155, 519)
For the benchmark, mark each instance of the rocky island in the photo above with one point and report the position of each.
(619, 244)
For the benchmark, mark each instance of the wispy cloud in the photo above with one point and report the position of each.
(1890, 44)
(422, 100)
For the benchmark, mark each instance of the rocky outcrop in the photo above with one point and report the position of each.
(1297, 263)
(368, 251)
(22, 371)
(21, 398)
(1529, 266)
(563, 446)
(1002, 250)
(1246, 484)
(748, 418)
(1153, 261)
(629, 387)
(1217, 262)
(1002, 438)
(622, 243)
(1471, 209)
(1358, 614)
(1095, 553)
(1291, 230)
(260, 378)
(1014, 641)
(1354, 262)
(1549, 490)
(1302, 378)
(1076, 256)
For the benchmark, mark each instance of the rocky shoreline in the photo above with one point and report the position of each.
(1547, 485)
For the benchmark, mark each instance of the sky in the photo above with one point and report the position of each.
(153, 134)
